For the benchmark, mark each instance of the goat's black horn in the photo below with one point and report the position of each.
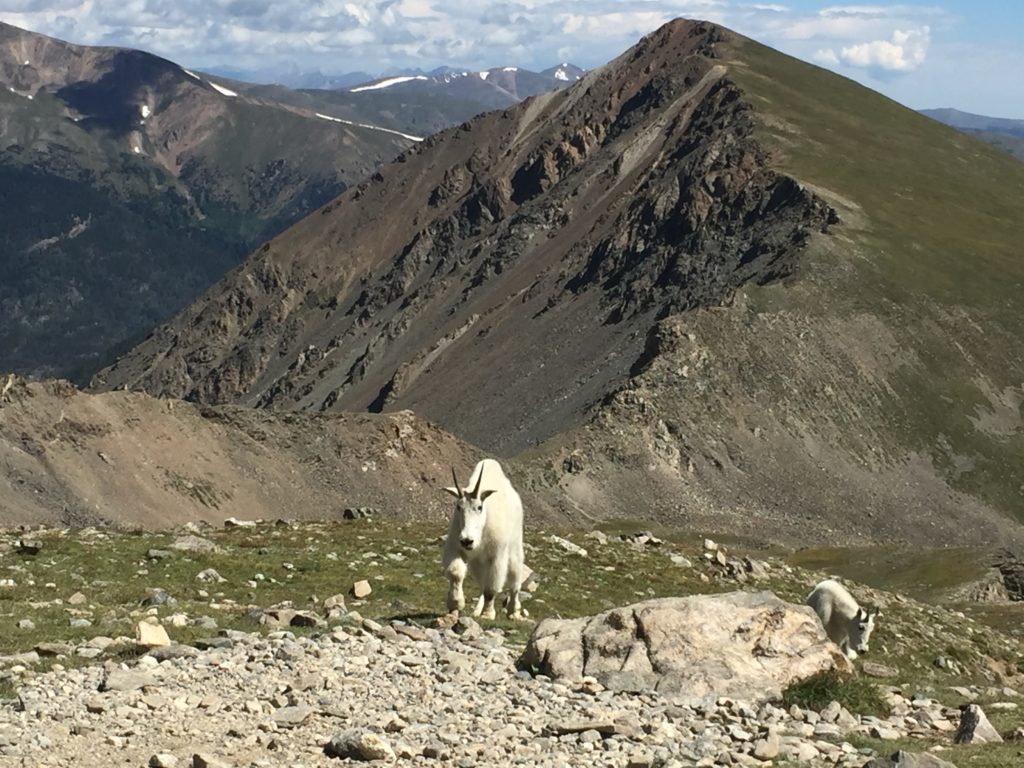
(456, 481)
(479, 479)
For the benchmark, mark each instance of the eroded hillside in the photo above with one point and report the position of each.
(128, 459)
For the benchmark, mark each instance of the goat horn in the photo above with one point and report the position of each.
(479, 479)
(456, 481)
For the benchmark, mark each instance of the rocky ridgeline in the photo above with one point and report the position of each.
(398, 691)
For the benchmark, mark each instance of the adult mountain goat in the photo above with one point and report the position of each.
(485, 538)
(847, 624)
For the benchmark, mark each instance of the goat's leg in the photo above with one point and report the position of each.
(486, 603)
(456, 577)
(515, 580)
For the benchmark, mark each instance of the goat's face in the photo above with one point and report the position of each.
(861, 627)
(470, 514)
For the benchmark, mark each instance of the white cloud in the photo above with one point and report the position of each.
(378, 35)
(826, 56)
(904, 51)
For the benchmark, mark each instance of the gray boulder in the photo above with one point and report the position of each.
(741, 644)
(975, 727)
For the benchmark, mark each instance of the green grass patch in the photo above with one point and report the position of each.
(859, 695)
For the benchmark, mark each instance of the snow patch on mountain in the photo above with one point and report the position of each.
(221, 89)
(387, 83)
(368, 126)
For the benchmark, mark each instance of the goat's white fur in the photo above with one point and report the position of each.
(485, 539)
(847, 624)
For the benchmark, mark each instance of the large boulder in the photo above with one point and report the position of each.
(748, 645)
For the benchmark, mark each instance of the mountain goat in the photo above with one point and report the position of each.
(485, 538)
(847, 624)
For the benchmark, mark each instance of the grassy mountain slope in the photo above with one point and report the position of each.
(624, 279)
(880, 394)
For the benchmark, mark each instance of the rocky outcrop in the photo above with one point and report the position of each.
(741, 644)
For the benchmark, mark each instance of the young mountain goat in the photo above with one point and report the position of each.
(485, 538)
(847, 624)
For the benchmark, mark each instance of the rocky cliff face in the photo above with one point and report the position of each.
(521, 249)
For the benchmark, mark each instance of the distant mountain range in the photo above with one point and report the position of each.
(1002, 132)
(298, 79)
(129, 183)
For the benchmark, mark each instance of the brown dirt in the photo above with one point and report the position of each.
(129, 459)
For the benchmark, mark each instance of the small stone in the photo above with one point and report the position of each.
(126, 680)
(290, 717)
(79, 623)
(96, 705)
(195, 544)
(234, 522)
(203, 760)
(357, 744)
(361, 589)
(568, 546)
(831, 713)
(163, 760)
(150, 635)
(767, 748)
(158, 554)
(53, 649)
(334, 601)
(158, 596)
(436, 750)
(874, 669)
(606, 727)
(77, 599)
(26, 624)
(468, 628)
(884, 733)
(210, 574)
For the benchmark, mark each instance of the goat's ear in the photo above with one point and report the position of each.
(453, 491)
(485, 494)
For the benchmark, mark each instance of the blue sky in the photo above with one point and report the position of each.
(958, 53)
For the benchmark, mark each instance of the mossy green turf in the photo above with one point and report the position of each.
(933, 222)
